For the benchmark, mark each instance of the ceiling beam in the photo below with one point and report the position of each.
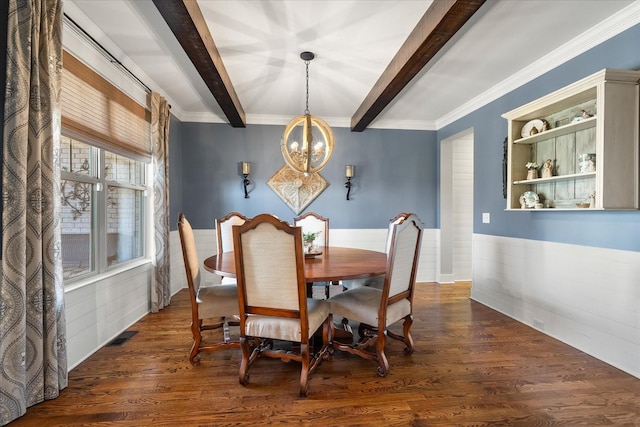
(439, 23)
(185, 19)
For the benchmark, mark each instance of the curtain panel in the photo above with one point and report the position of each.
(161, 281)
(32, 317)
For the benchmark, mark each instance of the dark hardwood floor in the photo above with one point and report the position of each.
(472, 367)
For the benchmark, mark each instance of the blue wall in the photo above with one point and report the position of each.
(615, 229)
(396, 171)
(175, 171)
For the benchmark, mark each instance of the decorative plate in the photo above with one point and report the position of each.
(533, 127)
(529, 199)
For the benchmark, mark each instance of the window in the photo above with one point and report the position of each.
(102, 208)
(105, 154)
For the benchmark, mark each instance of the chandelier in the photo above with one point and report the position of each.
(307, 141)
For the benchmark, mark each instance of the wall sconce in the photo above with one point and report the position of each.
(246, 170)
(349, 172)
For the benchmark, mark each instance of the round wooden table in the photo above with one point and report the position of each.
(335, 263)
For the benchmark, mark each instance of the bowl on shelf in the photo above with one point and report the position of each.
(582, 205)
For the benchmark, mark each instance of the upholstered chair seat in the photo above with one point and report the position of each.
(288, 329)
(363, 304)
(213, 300)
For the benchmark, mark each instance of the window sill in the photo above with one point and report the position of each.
(120, 269)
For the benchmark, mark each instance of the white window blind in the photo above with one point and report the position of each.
(93, 107)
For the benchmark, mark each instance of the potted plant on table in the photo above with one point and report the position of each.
(308, 239)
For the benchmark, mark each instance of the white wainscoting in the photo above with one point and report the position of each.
(98, 312)
(583, 296)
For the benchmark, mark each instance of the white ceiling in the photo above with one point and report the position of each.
(505, 44)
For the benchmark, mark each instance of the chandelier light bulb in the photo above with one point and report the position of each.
(318, 149)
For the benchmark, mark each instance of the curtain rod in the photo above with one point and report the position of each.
(105, 52)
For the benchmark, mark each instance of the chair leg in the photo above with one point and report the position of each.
(383, 363)
(197, 339)
(406, 334)
(406, 330)
(245, 362)
(304, 372)
(327, 331)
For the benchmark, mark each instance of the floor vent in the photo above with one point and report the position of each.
(122, 338)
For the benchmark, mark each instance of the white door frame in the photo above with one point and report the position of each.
(445, 271)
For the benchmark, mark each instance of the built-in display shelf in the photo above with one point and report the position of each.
(589, 133)
(572, 176)
(559, 131)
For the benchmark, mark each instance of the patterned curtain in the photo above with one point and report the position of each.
(32, 321)
(161, 283)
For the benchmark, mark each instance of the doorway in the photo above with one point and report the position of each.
(456, 208)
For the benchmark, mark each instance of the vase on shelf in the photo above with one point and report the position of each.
(532, 174)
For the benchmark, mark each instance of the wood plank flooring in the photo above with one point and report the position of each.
(472, 367)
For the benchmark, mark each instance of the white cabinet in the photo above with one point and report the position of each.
(596, 116)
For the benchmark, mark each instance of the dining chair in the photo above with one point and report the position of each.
(216, 304)
(378, 309)
(377, 281)
(224, 231)
(274, 309)
(224, 235)
(313, 222)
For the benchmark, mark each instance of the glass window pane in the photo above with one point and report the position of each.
(76, 157)
(124, 224)
(76, 227)
(100, 228)
(122, 169)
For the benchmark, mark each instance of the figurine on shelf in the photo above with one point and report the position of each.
(547, 169)
(545, 125)
(581, 116)
(532, 172)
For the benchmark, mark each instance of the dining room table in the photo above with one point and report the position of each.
(326, 264)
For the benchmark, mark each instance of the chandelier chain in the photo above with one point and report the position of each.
(306, 110)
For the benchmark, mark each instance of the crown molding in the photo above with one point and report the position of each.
(403, 124)
(610, 27)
